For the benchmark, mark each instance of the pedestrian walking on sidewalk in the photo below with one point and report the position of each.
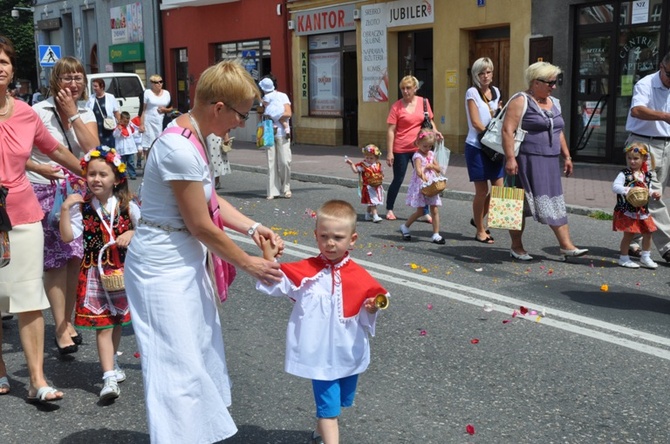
(277, 107)
(631, 217)
(404, 122)
(538, 161)
(649, 123)
(370, 181)
(482, 101)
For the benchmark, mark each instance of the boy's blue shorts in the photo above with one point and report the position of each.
(330, 396)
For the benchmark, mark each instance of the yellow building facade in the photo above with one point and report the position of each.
(434, 40)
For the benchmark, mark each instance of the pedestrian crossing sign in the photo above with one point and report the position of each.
(49, 55)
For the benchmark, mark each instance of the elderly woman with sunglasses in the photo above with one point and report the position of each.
(156, 105)
(538, 162)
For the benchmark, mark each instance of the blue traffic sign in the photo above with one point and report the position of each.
(49, 55)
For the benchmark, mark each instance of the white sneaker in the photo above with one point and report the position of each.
(628, 264)
(376, 218)
(110, 390)
(120, 373)
(648, 262)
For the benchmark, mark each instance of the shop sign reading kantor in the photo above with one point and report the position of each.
(325, 20)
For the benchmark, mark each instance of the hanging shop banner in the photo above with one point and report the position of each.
(325, 85)
(374, 53)
(126, 23)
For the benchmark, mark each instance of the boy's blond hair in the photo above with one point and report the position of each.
(339, 210)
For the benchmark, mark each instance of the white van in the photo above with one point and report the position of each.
(127, 87)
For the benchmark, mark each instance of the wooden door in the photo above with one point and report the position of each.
(498, 51)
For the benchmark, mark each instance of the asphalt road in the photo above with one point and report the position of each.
(583, 366)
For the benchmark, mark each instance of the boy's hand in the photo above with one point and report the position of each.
(370, 306)
(656, 195)
(270, 251)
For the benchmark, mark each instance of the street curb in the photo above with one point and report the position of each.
(353, 183)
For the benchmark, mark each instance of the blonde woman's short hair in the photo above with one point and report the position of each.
(64, 66)
(155, 78)
(542, 71)
(409, 81)
(226, 82)
(480, 65)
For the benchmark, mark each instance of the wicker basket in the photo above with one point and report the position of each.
(638, 196)
(111, 279)
(435, 188)
(376, 179)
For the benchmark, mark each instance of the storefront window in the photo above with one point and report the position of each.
(591, 15)
(254, 55)
(325, 73)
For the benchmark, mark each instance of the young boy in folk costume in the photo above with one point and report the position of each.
(371, 177)
(334, 314)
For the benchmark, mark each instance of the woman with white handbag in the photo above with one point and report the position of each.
(538, 161)
(106, 110)
(482, 101)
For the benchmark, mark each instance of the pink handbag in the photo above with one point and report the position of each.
(221, 272)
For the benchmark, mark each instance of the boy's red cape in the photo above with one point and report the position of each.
(357, 284)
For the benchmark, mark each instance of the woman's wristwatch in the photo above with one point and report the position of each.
(73, 118)
(252, 229)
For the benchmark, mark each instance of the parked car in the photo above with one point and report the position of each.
(125, 86)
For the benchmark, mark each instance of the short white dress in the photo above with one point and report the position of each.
(174, 309)
(153, 121)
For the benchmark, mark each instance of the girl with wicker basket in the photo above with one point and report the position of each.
(631, 214)
(425, 186)
(106, 216)
(370, 180)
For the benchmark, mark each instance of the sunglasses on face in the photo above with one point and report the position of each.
(156, 82)
(551, 83)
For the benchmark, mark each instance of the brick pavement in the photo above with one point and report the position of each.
(588, 189)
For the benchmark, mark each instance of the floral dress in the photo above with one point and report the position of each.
(372, 192)
(96, 308)
(414, 197)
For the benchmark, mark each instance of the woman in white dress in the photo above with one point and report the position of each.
(156, 105)
(174, 306)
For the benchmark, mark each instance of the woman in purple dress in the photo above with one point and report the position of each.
(538, 162)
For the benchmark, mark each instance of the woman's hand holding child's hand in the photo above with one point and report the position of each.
(270, 250)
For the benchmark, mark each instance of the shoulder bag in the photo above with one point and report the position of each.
(492, 137)
(107, 122)
(426, 117)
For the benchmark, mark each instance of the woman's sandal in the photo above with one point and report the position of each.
(488, 240)
(41, 396)
(390, 215)
(472, 222)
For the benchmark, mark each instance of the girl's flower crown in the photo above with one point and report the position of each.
(371, 149)
(109, 155)
(637, 147)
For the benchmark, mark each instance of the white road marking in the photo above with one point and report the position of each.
(591, 327)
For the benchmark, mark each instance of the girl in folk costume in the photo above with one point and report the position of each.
(631, 214)
(370, 182)
(106, 216)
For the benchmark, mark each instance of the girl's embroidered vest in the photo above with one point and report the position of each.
(96, 236)
(629, 181)
(372, 174)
